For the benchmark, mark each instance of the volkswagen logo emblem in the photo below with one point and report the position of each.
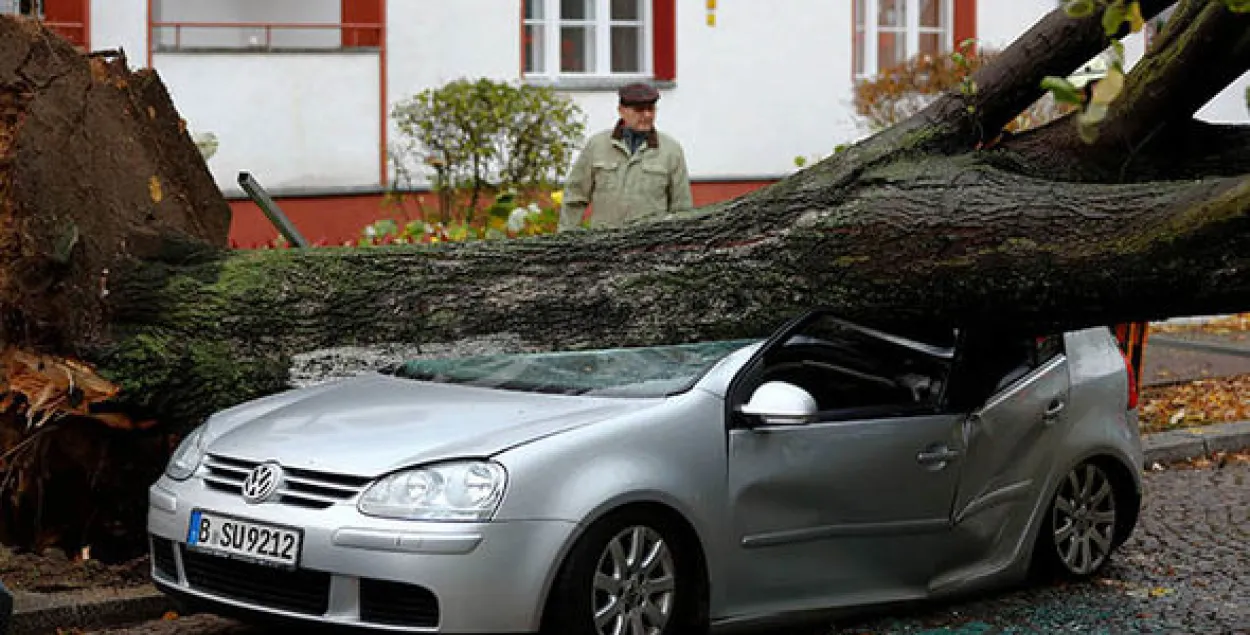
(262, 483)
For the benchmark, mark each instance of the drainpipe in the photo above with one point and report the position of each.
(271, 210)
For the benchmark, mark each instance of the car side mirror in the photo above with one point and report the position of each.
(777, 403)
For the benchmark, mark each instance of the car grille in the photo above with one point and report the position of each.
(299, 591)
(397, 604)
(163, 558)
(304, 488)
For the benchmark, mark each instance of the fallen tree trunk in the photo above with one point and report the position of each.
(119, 259)
(916, 240)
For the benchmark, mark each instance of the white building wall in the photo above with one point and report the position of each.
(121, 24)
(1229, 106)
(1000, 22)
(769, 82)
(766, 84)
(431, 42)
(424, 51)
(294, 120)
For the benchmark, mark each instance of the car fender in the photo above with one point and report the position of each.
(673, 456)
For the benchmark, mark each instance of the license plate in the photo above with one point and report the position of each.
(244, 539)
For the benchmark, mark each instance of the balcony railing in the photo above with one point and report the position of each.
(265, 36)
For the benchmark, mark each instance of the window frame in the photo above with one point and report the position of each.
(552, 24)
(14, 7)
(865, 40)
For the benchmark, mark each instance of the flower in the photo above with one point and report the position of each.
(557, 197)
(516, 220)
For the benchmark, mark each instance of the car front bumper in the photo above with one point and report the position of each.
(363, 572)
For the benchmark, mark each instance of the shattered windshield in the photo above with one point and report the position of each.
(653, 371)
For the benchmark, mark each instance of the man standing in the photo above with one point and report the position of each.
(629, 171)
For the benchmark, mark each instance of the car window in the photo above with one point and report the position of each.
(650, 371)
(1048, 347)
(852, 370)
(989, 363)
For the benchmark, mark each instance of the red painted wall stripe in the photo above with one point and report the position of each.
(71, 18)
(965, 21)
(664, 29)
(362, 12)
(334, 220)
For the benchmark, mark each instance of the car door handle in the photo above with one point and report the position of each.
(936, 455)
(1053, 410)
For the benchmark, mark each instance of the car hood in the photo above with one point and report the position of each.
(373, 424)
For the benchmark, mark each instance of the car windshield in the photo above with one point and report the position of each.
(652, 371)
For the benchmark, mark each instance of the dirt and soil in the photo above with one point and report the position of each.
(54, 571)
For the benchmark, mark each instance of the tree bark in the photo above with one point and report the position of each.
(119, 259)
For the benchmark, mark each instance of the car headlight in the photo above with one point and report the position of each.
(458, 491)
(186, 459)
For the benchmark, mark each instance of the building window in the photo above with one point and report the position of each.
(32, 8)
(890, 32)
(597, 38)
(180, 25)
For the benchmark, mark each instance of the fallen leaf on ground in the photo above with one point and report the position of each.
(1221, 325)
(1196, 403)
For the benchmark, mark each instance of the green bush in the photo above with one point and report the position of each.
(476, 139)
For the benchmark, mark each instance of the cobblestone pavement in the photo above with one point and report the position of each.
(1185, 570)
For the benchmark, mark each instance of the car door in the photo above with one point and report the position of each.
(848, 507)
(1008, 442)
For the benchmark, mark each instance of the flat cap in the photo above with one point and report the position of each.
(638, 93)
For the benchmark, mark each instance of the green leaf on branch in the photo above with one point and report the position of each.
(1135, 20)
(1238, 6)
(1114, 17)
(1109, 88)
(1063, 89)
(1079, 8)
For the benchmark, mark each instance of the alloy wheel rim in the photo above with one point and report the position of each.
(1083, 521)
(635, 584)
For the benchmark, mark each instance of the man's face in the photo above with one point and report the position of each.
(640, 118)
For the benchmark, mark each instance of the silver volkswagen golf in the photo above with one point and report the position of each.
(659, 490)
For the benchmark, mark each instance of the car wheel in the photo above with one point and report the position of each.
(627, 575)
(1080, 529)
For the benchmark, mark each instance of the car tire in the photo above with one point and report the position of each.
(630, 566)
(1079, 531)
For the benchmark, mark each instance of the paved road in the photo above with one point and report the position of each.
(1186, 570)
(1172, 358)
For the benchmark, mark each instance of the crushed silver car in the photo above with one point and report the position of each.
(659, 490)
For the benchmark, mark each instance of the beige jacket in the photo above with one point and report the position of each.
(620, 187)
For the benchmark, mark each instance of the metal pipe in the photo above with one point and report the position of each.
(271, 210)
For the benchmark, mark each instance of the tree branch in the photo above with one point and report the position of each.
(1056, 45)
(1200, 55)
(1189, 149)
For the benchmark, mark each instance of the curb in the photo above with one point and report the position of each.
(36, 614)
(1202, 346)
(1180, 445)
(39, 614)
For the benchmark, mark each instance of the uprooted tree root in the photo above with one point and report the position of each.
(96, 171)
(60, 450)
